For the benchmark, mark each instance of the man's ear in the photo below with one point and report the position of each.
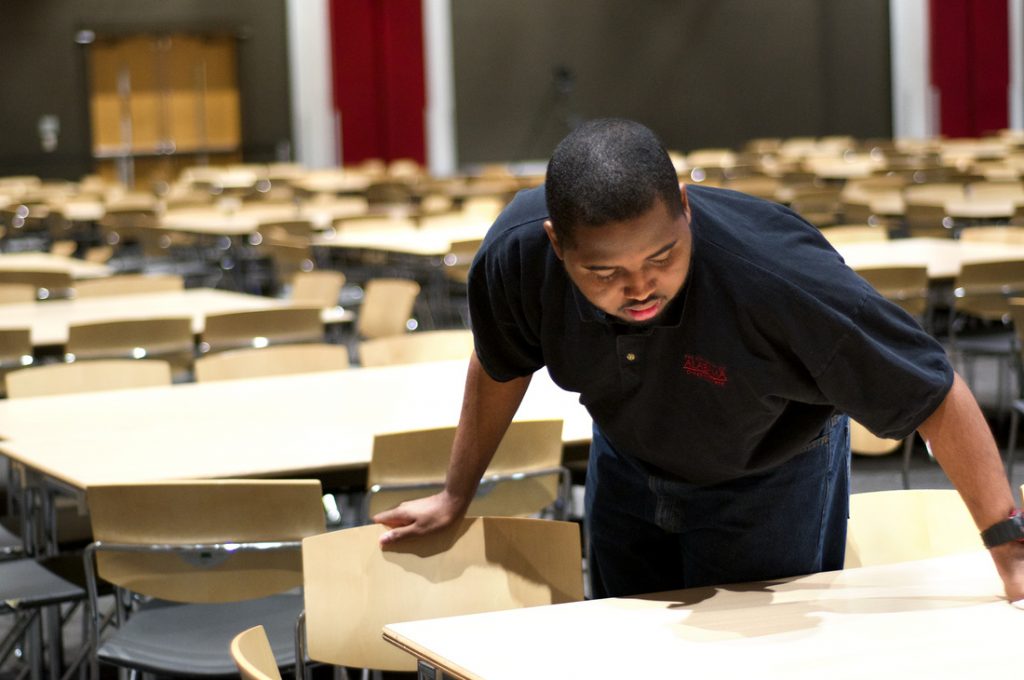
(683, 198)
(549, 229)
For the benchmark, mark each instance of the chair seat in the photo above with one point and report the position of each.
(194, 639)
(25, 583)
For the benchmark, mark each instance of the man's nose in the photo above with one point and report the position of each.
(639, 285)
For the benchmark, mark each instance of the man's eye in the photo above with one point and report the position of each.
(661, 261)
(605, 277)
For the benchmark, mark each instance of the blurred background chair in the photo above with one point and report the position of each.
(386, 308)
(416, 347)
(49, 285)
(898, 526)
(87, 376)
(260, 328)
(525, 477)
(129, 284)
(167, 338)
(269, 361)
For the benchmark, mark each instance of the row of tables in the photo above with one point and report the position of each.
(871, 619)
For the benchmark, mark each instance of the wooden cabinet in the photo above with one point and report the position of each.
(162, 102)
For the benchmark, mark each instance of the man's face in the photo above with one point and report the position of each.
(631, 269)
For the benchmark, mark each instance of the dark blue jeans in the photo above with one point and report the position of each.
(649, 533)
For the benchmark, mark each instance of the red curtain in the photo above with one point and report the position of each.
(378, 78)
(970, 65)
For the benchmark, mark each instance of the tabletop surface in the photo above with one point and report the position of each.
(49, 320)
(938, 618)
(942, 257)
(295, 424)
(433, 241)
(79, 269)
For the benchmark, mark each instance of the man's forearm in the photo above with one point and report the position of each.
(488, 407)
(960, 440)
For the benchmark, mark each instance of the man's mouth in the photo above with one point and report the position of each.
(643, 311)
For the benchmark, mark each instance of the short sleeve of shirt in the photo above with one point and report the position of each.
(886, 372)
(504, 309)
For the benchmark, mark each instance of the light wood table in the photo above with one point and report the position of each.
(78, 269)
(277, 427)
(939, 618)
(435, 241)
(942, 257)
(49, 320)
(245, 221)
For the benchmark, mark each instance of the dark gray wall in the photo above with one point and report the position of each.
(701, 74)
(43, 71)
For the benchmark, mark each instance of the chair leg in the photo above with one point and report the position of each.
(908, 449)
(1011, 444)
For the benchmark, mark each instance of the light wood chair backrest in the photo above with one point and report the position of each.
(129, 284)
(855, 233)
(17, 292)
(904, 525)
(15, 346)
(386, 308)
(269, 361)
(416, 347)
(863, 442)
(993, 234)
(251, 652)
(353, 588)
(984, 289)
(319, 288)
(905, 286)
(262, 327)
(524, 477)
(87, 376)
(48, 284)
(168, 338)
(205, 512)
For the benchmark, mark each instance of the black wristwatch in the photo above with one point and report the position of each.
(1011, 529)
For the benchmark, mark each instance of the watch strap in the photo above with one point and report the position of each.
(1011, 529)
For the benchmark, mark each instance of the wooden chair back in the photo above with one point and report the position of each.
(11, 293)
(143, 518)
(905, 286)
(87, 376)
(15, 346)
(984, 289)
(855, 233)
(354, 588)
(168, 338)
(416, 347)
(458, 260)
(319, 288)
(864, 443)
(993, 234)
(251, 652)
(129, 284)
(904, 525)
(524, 477)
(48, 284)
(270, 361)
(262, 327)
(386, 308)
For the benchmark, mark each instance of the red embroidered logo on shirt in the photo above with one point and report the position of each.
(704, 369)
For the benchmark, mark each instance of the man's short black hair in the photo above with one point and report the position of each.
(608, 170)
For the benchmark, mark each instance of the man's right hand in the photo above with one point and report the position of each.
(419, 517)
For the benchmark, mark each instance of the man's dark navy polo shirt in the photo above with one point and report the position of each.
(771, 335)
